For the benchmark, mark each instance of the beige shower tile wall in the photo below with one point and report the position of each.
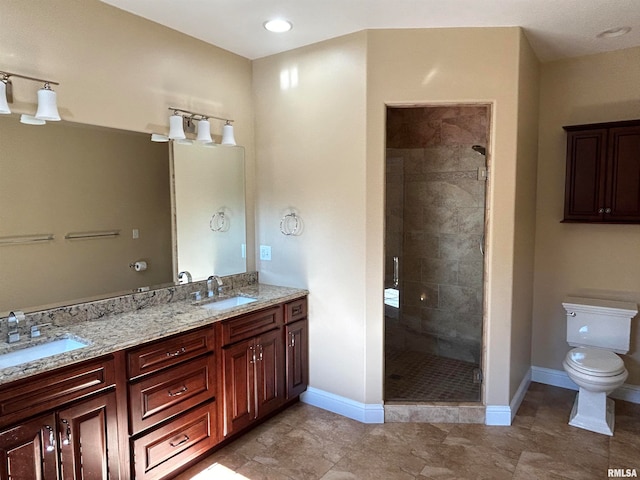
(432, 171)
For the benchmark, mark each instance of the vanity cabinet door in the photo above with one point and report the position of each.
(253, 379)
(238, 361)
(28, 451)
(297, 337)
(88, 439)
(270, 375)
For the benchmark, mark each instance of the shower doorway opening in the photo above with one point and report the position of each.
(435, 203)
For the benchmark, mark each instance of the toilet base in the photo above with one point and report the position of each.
(593, 411)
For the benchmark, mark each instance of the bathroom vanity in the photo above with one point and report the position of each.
(155, 388)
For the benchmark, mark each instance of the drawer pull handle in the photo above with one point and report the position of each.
(177, 393)
(297, 310)
(67, 431)
(181, 442)
(52, 439)
(177, 352)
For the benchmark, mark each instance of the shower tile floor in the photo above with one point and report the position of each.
(422, 377)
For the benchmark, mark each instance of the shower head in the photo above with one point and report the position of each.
(480, 149)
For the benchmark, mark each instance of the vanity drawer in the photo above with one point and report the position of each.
(295, 310)
(169, 447)
(165, 353)
(165, 394)
(250, 325)
(49, 390)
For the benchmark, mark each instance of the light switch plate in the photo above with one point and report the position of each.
(265, 252)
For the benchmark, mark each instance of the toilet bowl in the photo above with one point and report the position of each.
(598, 328)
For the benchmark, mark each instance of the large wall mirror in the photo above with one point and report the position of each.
(209, 201)
(79, 205)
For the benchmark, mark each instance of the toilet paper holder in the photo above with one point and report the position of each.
(139, 266)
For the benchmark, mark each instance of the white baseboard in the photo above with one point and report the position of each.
(520, 394)
(498, 415)
(362, 412)
(503, 415)
(559, 378)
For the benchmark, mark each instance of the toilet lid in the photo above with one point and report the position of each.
(594, 361)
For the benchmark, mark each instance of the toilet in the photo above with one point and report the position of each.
(599, 329)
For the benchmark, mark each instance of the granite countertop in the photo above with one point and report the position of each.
(111, 333)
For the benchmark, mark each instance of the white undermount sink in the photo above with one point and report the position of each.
(37, 352)
(228, 303)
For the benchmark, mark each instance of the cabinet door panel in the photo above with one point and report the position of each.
(270, 372)
(624, 179)
(585, 180)
(88, 439)
(28, 451)
(297, 358)
(239, 406)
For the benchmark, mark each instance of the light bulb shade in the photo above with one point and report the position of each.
(31, 120)
(176, 131)
(4, 106)
(227, 135)
(47, 107)
(204, 132)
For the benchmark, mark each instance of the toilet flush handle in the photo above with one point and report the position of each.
(572, 314)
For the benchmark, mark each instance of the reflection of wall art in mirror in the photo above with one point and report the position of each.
(66, 178)
(206, 176)
(220, 222)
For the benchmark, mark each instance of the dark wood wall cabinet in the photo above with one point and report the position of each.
(603, 173)
(150, 411)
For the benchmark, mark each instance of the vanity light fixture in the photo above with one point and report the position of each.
(47, 102)
(183, 121)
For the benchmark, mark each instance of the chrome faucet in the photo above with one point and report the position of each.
(13, 335)
(181, 275)
(210, 291)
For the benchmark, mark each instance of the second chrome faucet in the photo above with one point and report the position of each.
(214, 290)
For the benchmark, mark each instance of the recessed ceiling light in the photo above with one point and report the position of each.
(614, 32)
(278, 25)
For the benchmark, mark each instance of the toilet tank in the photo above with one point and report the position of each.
(599, 323)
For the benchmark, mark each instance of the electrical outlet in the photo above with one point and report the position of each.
(265, 252)
(136, 233)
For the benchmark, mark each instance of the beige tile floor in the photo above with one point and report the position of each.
(305, 442)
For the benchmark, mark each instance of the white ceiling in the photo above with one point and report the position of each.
(555, 28)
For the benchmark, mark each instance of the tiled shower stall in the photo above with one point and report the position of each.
(435, 217)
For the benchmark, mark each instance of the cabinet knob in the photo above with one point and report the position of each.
(601, 210)
(607, 210)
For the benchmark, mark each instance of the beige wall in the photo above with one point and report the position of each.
(310, 144)
(122, 71)
(525, 214)
(321, 151)
(599, 260)
(449, 65)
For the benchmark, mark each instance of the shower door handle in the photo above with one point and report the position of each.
(482, 245)
(395, 272)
